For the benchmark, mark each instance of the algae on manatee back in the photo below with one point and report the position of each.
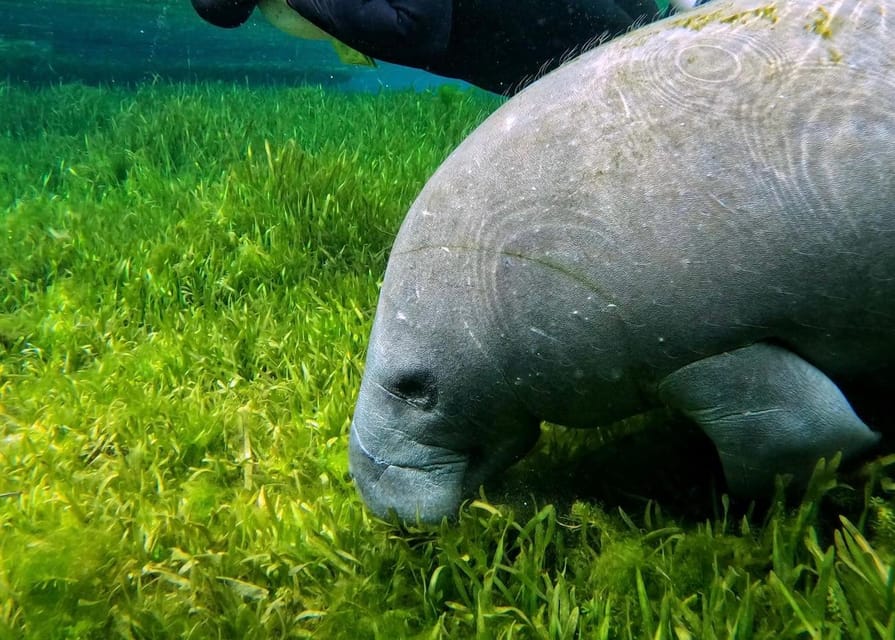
(822, 23)
(698, 21)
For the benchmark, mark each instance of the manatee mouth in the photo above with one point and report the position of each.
(426, 489)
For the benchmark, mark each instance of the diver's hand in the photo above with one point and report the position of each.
(410, 32)
(224, 13)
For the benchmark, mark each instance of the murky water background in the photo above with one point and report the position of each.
(127, 41)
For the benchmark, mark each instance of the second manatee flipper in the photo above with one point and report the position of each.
(288, 20)
(768, 412)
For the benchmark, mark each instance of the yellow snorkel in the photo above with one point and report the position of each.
(287, 20)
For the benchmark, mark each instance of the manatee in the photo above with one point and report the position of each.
(699, 215)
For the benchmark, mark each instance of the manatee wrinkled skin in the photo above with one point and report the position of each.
(698, 215)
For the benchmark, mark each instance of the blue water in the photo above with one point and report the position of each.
(127, 41)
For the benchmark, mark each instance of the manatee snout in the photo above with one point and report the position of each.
(417, 458)
(396, 459)
(425, 493)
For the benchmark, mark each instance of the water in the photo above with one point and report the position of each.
(129, 41)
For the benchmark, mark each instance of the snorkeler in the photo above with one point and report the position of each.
(498, 45)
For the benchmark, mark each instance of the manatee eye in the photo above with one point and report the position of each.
(415, 387)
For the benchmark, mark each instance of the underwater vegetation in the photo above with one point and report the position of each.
(187, 279)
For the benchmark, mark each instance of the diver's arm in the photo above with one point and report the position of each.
(409, 32)
(224, 13)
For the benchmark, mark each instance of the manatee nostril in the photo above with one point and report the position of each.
(416, 387)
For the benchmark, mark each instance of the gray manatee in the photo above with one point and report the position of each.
(698, 215)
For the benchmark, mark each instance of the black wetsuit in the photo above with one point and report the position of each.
(498, 45)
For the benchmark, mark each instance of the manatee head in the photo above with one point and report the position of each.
(435, 416)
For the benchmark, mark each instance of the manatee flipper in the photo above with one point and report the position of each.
(768, 412)
(289, 20)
